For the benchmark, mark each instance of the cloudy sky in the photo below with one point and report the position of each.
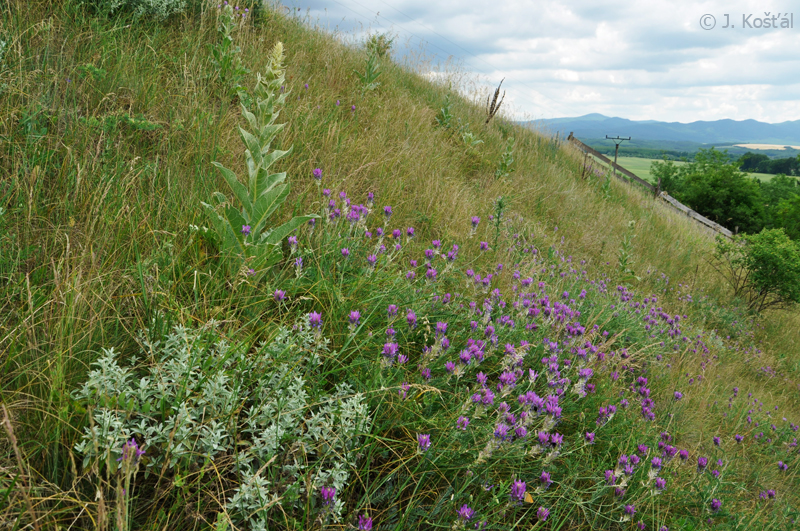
(645, 60)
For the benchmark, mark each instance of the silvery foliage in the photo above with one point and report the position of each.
(195, 391)
(158, 9)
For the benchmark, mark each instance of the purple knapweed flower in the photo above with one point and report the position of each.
(364, 522)
(589, 437)
(630, 510)
(518, 489)
(678, 395)
(702, 463)
(317, 173)
(462, 423)
(403, 391)
(738, 438)
(411, 317)
(315, 320)
(661, 484)
(542, 514)
(715, 505)
(783, 466)
(387, 210)
(131, 451)
(475, 221)
(346, 252)
(355, 317)
(484, 246)
(424, 441)
(390, 350)
(327, 495)
(545, 479)
(410, 232)
(279, 295)
(465, 513)
(717, 441)
(246, 230)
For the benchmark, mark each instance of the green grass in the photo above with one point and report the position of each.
(641, 167)
(108, 128)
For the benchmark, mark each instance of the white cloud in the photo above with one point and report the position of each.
(642, 60)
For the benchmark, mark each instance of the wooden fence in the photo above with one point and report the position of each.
(664, 197)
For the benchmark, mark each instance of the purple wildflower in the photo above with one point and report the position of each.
(424, 441)
(518, 489)
(465, 513)
(327, 495)
(542, 514)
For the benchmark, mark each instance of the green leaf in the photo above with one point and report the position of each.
(274, 156)
(238, 188)
(277, 235)
(267, 181)
(267, 204)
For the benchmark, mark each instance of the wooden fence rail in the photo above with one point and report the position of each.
(665, 198)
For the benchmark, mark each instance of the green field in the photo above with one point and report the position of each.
(641, 167)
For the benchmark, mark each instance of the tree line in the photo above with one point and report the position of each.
(720, 190)
(760, 163)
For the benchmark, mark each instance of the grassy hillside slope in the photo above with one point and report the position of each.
(108, 128)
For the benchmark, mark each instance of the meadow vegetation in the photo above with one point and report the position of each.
(255, 278)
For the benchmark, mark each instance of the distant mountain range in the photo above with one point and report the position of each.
(592, 126)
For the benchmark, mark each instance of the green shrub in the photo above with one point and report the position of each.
(762, 268)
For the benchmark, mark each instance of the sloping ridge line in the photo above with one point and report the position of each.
(658, 194)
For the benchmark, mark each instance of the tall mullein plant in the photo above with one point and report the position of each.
(244, 233)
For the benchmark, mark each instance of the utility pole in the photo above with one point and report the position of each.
(617, 141)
